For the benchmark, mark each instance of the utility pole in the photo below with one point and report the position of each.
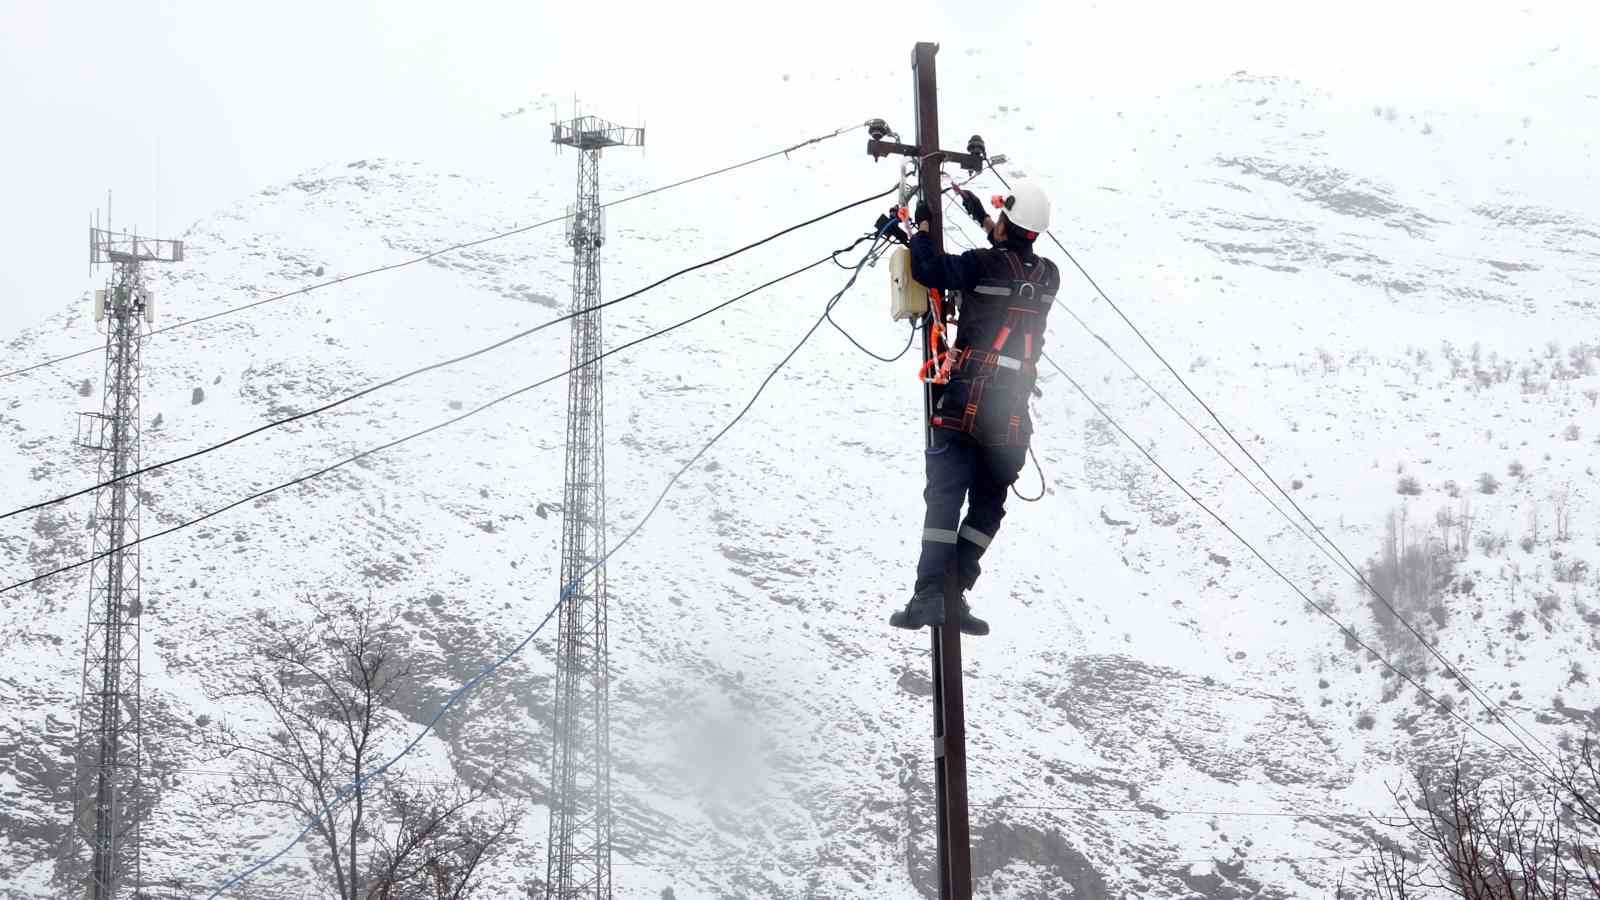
(580, 781)
(949, 714)
(108, 800)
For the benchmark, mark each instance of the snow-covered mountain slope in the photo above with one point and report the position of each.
(1363, 296)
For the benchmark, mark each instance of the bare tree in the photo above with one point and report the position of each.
(1411, 575)
(1446, 520)
(1580, 784)
(433, 844)
(1464, 520)
(1563, 501)
(327, 687)
(1494, 838)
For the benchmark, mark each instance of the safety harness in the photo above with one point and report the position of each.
(989, 382)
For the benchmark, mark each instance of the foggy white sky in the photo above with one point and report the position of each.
(182, 107)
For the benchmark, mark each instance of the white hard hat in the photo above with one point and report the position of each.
(1027, 207)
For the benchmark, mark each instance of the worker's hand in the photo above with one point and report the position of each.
(922, 215)
(973, 206)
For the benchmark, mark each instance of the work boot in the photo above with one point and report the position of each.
(971, 624)
(924, 608)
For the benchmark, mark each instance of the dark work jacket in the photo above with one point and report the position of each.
(1005, 298)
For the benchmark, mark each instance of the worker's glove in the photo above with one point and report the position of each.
(889, 226)
(922, 214)
(973, 206)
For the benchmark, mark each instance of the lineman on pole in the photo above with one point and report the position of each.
(981, 418)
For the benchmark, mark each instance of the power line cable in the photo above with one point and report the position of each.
(1162, 812)
(1246, 860)
(1504, 720)
(977, 805)
(433, 366)
(565, 592)
(1199, 432)
(442, 250)
(401, 440)
(1348, 632)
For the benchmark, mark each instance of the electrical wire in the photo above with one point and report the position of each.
(978, 806)
(442, 250)
(1349, 633)
(910, 340)
(873, 257)
(1505, 720)
(565, 593)
(1162, 812)
(961, 234)
(858, 242)
(1199, 432)
(433, 366)
(1042, 486)
(401, 440)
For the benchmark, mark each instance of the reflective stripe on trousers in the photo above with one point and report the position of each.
(963, 472)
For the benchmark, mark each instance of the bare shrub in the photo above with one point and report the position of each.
(1578, 356)
(1392, 874)
(1409, 486)
(1569, 569)
(1572, 432)
(1492, 544)
(1487, 483)
(1516, 469)
(1452, 356)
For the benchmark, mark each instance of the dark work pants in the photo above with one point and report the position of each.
(960, 469)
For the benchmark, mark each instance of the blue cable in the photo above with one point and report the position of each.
(348, 790)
